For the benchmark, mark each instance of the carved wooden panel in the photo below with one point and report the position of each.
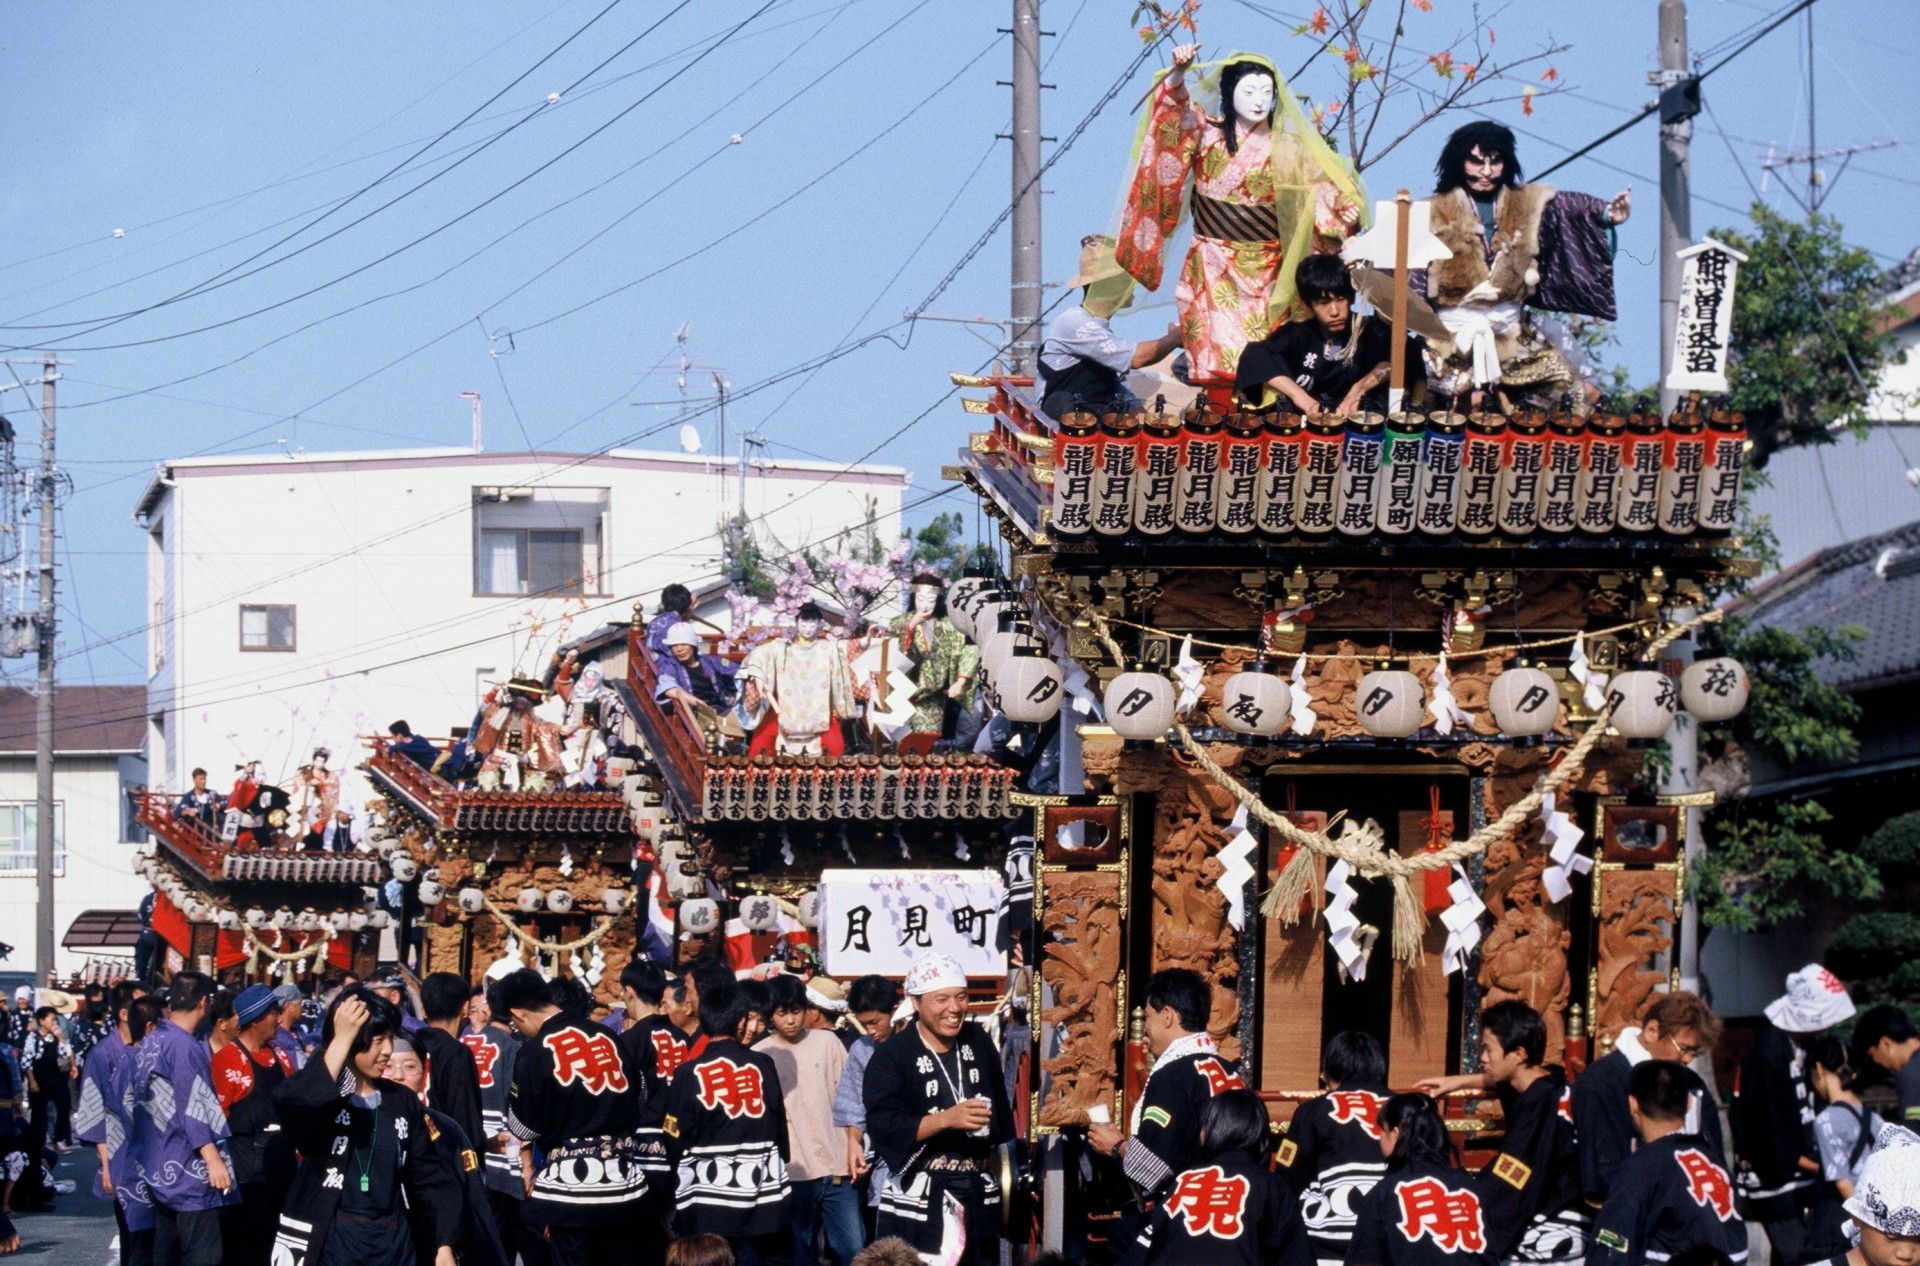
(1189, 912)
(1080, 992)
(1293, 965)
(1524, 955)
(1634, 911)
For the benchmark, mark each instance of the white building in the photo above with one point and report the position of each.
(96, 742)
(308, 600)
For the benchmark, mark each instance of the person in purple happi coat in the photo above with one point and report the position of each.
(179, 1133)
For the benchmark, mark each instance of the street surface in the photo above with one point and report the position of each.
(79, 1230)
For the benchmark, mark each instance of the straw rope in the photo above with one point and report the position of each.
(313, 949)
(549, 947)
(1364, 847)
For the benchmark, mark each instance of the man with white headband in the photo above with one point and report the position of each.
(1778, 1176)
(936, 1110)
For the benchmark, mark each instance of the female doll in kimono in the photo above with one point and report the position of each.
(365, 1158)
(1267, 191)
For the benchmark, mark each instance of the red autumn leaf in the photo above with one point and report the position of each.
(1468, 70)
(1146, 32)
(1319, 23)
(1425, 6)
(1352, 54)
(1551, 75)
(1526, 105)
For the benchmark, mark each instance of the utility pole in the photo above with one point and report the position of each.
(1024, 353)
(1679, 102)
(43, 752)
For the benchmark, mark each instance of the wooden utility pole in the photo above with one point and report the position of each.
(43, 944)
(1024, 353)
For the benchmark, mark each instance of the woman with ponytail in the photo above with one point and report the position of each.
(1426, 1211)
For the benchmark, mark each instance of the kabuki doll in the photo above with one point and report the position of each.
(805, 683)
(1266, 192)
(592, 713)
(945, 663)
(321, 791)
(517, 748)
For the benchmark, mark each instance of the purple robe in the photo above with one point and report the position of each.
(102, 1118)
(174, 1114)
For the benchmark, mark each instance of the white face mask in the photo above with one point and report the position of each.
(1253, 99)
(925, 598)
(807, 629)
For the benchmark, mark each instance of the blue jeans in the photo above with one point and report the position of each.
(832, 1205)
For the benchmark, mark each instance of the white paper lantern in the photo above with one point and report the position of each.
(529, 900)
(560, 901)
(962, 589)
(358, 920)
(1139, 705)
(1389, 703)
(701, 916)
(340, 921)
(1256, 702)
(306, 920)
(983, 612)
(809, 908)
(1644, 702)
(256, 917)
(760, 913)
(282, 918)
(404, 867)
(379, 919)
(1525, 702)
(1714, 690)
(472, 900)
(192, 909)
(431, 893)
(998, 646)
(613, 900)
(1028, 684)
(229, 920)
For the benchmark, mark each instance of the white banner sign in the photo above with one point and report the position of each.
(878, 921)
(1704, 329)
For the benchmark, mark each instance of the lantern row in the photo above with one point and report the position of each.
(1437, 475)
(890, 787)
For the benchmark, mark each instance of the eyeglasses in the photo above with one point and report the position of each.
(1687, 1052)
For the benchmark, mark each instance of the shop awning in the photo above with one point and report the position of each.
(103, 929)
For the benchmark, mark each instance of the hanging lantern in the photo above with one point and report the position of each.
(1028, 683)
(1389, 703)
(560, 901)
(472, 900)
(1256, 701)
(1139, 705)
(1714, 690)
(1643, 703)
(229, 921)
(379, 919)
(1525, 702)
(808, 908)
(529, 900)
(760, 913)
(404, 867)
(700, 916)
(975, 617)
(340, 920)
(962, 589)
(998, 646)
(613, 900)
(282, 918)
(306, 920)
(357, 921)
(431, 893)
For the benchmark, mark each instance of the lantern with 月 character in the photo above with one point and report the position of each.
(1643, 702)
(1525, 702)
(1139, 704)
(1714, 690)
(1389, 703)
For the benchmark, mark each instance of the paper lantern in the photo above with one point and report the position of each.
(986, 610)
(1139, 705)
(1643, 703)
(559, 901)
(1389, 703)
(282, 918)
(700, 916)
(613, 900)
(1028, 683)
(340, 920)
(404, 867)
(357, 921)
(379, 919)
(962, 589)
(1255, 701)
(431, 893)
(808, 908)
(760, 913)
(306, 920)
(229, 920)
(472, 900)
(965, 614)
(1714, 690)
(529, 900)
(996, 647)
(1525, 702)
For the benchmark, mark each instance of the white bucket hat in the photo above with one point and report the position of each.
(1887, 1197)
(1815, 1000)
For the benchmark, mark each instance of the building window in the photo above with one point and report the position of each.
(538, 541)
(266, 628)
(19, 838)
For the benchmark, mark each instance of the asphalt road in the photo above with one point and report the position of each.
(80, 1230)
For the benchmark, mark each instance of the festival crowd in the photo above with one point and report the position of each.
(712, 1119)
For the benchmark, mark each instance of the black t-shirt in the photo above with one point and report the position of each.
(1668, 1196)
(700, 681)
(1302, 351)
(1423, 1214)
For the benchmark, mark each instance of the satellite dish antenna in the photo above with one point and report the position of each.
(689, 438)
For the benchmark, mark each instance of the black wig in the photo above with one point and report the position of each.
(1493, 139)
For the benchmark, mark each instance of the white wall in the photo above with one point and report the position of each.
(1898, 395)
(376, 552)
(99, 867)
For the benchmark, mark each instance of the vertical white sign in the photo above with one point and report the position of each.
(1704, 330)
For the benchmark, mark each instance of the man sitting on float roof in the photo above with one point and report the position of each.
(1338, 362)
(1082, 362)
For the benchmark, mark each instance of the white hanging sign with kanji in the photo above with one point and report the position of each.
(876, 922)
(1703, 330)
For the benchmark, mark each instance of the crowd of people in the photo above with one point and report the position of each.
(710, 1119)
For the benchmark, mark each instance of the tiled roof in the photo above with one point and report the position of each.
(85, 719)
(1873, 583)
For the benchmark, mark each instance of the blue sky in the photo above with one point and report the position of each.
(160, 153)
